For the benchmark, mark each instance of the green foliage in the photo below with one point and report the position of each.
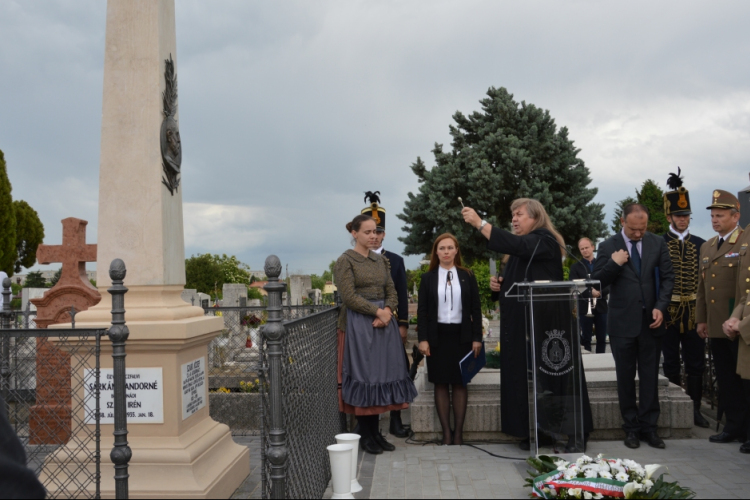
(616, 225)
(55, 278)
(318, 282)
(29, 234)
(652, 196)
(414, 277)
(7, 222)
(35, 280)
(506, 151)
(254, 293)
(208, 273)
(15, 288)
(93, 283)
(481, 270)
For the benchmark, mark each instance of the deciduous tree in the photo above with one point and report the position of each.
(208, 273)
(29, 234)
(508, 150)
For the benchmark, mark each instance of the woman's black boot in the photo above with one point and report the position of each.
(367, 440)
(378, 437)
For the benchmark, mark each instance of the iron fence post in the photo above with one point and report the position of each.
(118, 334)
(274, 332)
(5, 362)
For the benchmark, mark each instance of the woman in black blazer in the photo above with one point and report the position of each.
(449, 317)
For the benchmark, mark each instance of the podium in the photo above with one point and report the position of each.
(553, 360)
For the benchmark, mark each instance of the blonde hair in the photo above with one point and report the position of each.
(537, 212)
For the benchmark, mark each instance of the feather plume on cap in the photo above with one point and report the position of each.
(675, 180)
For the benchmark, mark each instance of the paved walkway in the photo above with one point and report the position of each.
(430, 471)
(712, 471)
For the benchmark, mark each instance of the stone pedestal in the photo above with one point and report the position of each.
(483, 412)
(140, 222)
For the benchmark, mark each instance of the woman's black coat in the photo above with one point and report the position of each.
(546, 265)
(427, 311)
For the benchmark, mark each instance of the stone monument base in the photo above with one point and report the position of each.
(483, 412)
(194, 457)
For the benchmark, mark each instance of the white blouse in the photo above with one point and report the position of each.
(449, 297)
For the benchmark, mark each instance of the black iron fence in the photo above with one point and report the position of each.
(51, 391)
(299, 395)
(46, 381)
(233, 355)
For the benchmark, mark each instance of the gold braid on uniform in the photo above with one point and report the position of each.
(685, 282)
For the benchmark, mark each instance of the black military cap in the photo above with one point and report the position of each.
(676, 201)
(375, 210)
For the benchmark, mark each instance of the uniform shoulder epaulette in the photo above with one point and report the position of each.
(735, 236)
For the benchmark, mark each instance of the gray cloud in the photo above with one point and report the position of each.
(290, 110)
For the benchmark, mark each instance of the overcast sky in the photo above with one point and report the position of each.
(290, 110)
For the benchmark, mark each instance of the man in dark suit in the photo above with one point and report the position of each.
(636, 267)
(398, 275)
(598, 301)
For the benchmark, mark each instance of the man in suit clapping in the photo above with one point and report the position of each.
(636, 267)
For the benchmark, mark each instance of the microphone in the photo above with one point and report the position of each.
(588, 274)
(526, 274)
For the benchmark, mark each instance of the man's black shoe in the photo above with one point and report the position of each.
(699, 420)
(745, 448)
(632, 441)
(380, 440)
(724, 437)
(397, 427)
(653, 440)
(370, 446)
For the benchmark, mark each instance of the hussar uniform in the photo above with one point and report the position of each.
(717, 281)
(684, 251)
(742, 313)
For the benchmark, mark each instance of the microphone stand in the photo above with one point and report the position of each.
(590, 288)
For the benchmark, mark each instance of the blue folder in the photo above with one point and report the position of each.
(470, 365)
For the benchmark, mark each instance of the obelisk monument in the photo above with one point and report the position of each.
(178, 450)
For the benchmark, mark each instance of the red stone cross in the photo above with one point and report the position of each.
(73, 253)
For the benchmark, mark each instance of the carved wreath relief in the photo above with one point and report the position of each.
(171, 146)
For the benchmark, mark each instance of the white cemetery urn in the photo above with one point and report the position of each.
(341, 466)
(352, 439)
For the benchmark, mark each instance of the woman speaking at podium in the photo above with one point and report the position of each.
(535, 251)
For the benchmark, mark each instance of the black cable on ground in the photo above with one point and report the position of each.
(438, 442)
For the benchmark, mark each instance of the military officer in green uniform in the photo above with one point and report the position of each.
(684, 251)
(737, 328)
(717, 281)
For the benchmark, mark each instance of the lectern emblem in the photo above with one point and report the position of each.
(556, 351)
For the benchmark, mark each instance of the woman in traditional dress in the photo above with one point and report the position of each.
(373, 375)
(533, 235)
(450, 327)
